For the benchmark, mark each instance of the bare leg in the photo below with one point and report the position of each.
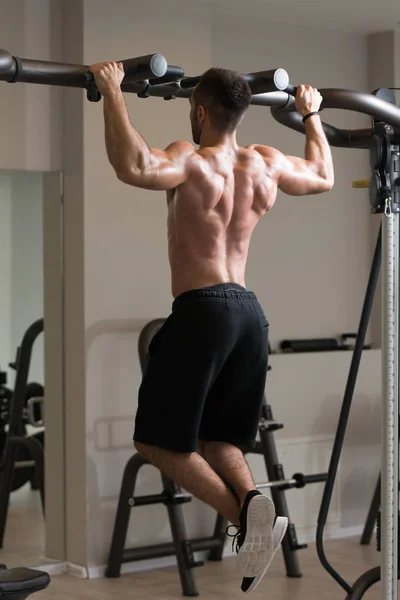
(196, 476)
(228, 461)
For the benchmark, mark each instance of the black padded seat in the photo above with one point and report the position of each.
(19, 583)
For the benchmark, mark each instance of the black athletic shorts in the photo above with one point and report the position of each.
(205, 377)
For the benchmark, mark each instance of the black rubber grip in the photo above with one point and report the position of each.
(145, 67)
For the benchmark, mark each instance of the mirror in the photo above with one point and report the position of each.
(31, 390)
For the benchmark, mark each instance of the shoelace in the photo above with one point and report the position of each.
(236, 537)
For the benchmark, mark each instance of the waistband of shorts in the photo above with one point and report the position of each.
(221, 291)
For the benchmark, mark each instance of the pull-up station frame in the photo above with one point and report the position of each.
(151, 75)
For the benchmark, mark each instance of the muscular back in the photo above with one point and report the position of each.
(212, 216)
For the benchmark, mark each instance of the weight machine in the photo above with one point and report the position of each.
(151, 75)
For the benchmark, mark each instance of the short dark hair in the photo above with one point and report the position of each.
(226, 96)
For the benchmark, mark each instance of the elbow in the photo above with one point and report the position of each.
(325, 184)
(328, 184)
(128, 176)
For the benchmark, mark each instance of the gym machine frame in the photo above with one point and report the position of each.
(383, 141)
(16, 437)
(152, 76)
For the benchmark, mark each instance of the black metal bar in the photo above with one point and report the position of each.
(260, 83)
(345, 410)
(173, 73)
(6, 61)
(167, 549)
(363, 583)
(207, 543)
(341, 138)
(219, 532)
(63, 74)
(271, 461)
(180, 538)
(144, 89)
(145, 67)
(368, 104)
(8, 457)
(148, 552)
(268, 81)
(121, 523)
(36, 450)
(372, 515)
(148, 500)
(317, 478)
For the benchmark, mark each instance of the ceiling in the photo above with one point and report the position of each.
(358, 16)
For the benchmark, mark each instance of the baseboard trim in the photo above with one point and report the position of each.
(78, 571)
(306, 535)
(51, 568)
(142, 565)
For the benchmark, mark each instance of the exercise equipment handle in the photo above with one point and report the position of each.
(291, 89)
(13, 69)
(260, 82)
(145, 67)
(173, 74)
(367, 104)
(268, 81)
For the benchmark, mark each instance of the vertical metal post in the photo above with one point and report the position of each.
(390, 401)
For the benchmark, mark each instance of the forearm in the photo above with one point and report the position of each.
(126, 149)
(317, 150)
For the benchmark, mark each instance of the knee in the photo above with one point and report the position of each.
(143, 449)
(202, 448)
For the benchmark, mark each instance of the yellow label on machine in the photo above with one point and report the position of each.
(361, 183)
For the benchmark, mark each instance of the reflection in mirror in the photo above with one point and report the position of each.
(23, 223)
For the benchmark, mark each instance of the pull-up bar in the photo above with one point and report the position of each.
(145, 76)
(14, 69)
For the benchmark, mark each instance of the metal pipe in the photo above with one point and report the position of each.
(5, 61)
(390, 406)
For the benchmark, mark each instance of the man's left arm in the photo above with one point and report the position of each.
(133, 161)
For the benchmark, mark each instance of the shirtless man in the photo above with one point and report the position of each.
(201, 395)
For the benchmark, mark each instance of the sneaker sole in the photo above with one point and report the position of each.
(279, 532)
(257, 549)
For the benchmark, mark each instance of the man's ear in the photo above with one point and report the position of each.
(201, 113)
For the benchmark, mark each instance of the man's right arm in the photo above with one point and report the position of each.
(314, 173)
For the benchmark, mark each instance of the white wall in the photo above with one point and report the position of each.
(308, 263)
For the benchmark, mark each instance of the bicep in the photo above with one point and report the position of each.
(299, 177)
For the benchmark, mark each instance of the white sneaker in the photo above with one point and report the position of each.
(255, 544)
(279, 530)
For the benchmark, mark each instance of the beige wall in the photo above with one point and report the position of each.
(29, 114)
